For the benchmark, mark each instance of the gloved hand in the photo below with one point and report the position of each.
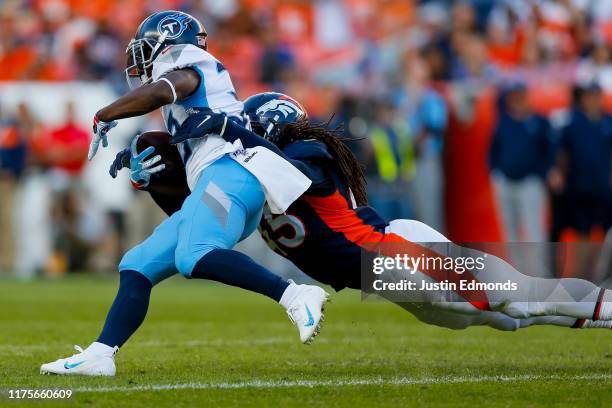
(199, 125)
(100, 130)
(122, 160)
(141, 165)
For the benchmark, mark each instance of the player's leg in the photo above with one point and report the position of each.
(212, 221)
(433, 315)
(575, 298)
(416, 231)
(141, 268)
(565, 321)
(429, 314)
(223, 208)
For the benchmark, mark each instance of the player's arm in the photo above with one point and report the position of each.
(214, 123)
(311, 163)
(173, 86)
(321, 182)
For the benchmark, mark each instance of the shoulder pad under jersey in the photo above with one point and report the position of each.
(308, 150)
(178, 57)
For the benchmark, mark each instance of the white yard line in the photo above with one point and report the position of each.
(344, 383)
(22, 348)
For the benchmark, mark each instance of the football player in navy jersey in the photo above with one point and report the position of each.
(327, 230)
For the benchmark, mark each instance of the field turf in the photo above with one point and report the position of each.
(209, 345)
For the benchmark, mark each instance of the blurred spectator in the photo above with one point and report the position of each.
(336, 56)
(597, 67)
(103, 52)
(393, 159)
(506, 36)
(64, 150)
(426, 114)
(472, 62)
(584, 164)
(521, 154)
(32, 212)
(277, 59)
(12, 163)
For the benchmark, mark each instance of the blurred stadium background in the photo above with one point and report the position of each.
(486, 119)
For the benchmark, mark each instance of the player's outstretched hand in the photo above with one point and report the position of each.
(100, 130)
(199, 125)
(142, 166)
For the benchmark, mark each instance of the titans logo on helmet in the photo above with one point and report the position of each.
(284, 107)
(173, 25)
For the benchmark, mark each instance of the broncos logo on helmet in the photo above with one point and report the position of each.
(280, 107)
(269, 111)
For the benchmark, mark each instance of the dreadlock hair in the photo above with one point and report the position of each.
(349, 169)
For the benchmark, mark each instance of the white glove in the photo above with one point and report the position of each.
(100, 129)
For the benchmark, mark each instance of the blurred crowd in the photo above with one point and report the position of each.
(486, 119)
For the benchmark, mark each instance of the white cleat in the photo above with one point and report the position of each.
(83, 363)
(305, 310)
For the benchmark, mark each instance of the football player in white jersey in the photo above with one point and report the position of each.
(169, 63)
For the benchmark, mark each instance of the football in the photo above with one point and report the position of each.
(171, 180)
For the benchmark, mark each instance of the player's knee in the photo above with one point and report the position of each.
(134, 283)
(131, 261)
(504, 323)
(186, 258)
(184, 263)
(448, 321)
(132, 269)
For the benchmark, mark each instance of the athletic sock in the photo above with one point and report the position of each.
(101, 349)
(603, 307)
(289, 294)
(236, 269)
(128, 310)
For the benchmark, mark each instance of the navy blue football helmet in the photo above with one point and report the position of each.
(268, 112)
(154, 34)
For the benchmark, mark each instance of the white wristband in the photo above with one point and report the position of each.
(171, 87)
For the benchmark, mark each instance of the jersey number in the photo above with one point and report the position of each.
(288, 231)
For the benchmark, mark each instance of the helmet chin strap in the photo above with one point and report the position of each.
(160, 42)
(144, 78)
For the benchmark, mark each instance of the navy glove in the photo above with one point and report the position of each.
(122, 160)
(199, 125)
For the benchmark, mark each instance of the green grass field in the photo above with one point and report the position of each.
(208, 345)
